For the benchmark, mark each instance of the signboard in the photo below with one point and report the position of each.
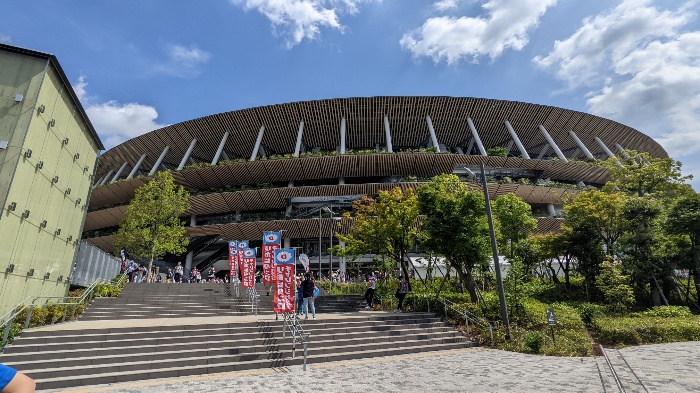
(284, 276)
(248, 268)
(271, 242)
(233, 258)
(304, 259)
(240, 246)
(551, 319)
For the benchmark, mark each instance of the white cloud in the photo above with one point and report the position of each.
(183, 62)
(297, 20)
(506, 26)
(116, 122)
(444, 5)
(641, 66)
(5, 39)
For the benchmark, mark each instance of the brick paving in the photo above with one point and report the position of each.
(660, 368)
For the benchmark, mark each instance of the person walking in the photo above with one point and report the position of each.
(401, 292)
(300, 297)
(308, 287)
(369, 294)
(178, 272)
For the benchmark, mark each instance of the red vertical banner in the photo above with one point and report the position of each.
(271, 242)
(241, 246)
(248, 268)
(233, 258)
(284, 277)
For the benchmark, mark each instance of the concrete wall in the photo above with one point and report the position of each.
(93, 264)
(63, 157)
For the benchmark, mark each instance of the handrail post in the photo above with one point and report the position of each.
(294, 343)
(65, 311)
(306, 342)
(414, 303)
(466, 321)
(284, 326)
(29, 315)
(491, 332)
(8, 327)
(428, 299)
(445, 306)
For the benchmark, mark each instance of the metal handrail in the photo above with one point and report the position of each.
(254, 298)
(291, 319)
(66, 301)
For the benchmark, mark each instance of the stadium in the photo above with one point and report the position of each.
(296, 167)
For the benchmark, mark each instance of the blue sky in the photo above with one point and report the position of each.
(140, 65)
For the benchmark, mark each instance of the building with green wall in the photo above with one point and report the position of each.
(48, 155)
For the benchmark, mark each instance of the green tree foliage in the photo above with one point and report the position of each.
(684, 220)
(640, 174)
(598, 212)
(387, 226)
(613, 284)
(514, 220)
(152, 225)
(641, 247)
(455, 226)
(555, 247)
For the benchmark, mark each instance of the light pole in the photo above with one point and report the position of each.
(320, 210)
(494, 248)
(496, 261)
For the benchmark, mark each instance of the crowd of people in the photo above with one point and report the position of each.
(138, 273)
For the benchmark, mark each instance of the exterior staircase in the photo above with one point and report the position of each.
(107, 347)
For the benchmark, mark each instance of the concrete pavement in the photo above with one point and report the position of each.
(649, 368)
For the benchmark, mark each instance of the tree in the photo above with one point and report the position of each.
(641, 174)
(387, 225)
(614, 286)
(152, 225)
(598, 212)
(557, 247)
(455, 226)
(684, 220)
(641, 247)
(514, 220)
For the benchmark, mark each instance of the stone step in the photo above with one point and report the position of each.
(221, 350)
(272, 360)
(45, 345)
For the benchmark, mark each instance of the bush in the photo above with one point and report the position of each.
(534, 341)
(640, 329)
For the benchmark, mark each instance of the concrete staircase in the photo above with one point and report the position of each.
(137, 301)
(103, 350)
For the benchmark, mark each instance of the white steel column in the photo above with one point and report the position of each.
(551, 143)
(215, 160)
(287, 242)
(459, 150)
(433, 137)
(342, 135)
(136, 167)
(550, 210)
(98, 182)
(476, 136)
(575, 154)
(104, 180)
(387, 131)
(159, 161)
(297, 148)
(257, 143)
(119, 172)
(622, 150)
(605, 148)
(513, 135)
(187, 154)
(543, 151)
(581, 146)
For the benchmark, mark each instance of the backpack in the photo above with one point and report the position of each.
(316, 291)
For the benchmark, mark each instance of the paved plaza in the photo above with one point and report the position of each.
(650, 368)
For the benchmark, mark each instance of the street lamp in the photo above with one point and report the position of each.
(494, 247)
